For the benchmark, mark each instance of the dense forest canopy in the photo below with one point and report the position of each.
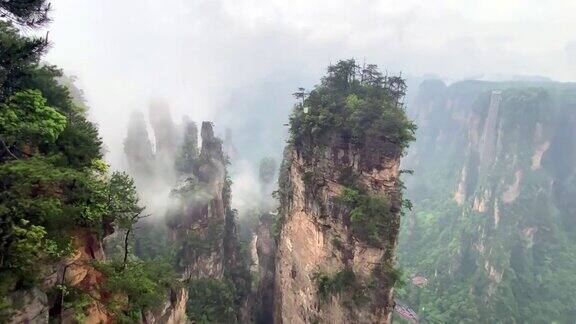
(491, 237)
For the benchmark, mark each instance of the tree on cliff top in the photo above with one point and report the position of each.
(359, 104)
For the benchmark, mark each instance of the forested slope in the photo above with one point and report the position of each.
(491, 238)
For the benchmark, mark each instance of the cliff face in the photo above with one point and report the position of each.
(202, 229)
(491, 229)
(261, 300)
(316, 236)
(76, 272)
(172, 312)
(198, 217)
(340, 199)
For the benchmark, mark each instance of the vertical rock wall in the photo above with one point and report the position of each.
(316, 236)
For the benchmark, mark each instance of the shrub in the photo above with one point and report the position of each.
(136, 286)
(339, 282)
(370, 215)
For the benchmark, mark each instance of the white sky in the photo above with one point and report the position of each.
(193, 53)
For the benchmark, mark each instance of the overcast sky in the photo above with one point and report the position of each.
(196, 53)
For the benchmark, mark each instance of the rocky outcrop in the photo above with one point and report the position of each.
(316, 237)
(165, 131)
(201, 222)
(197, 218)
(33, 306)
(76, 272)
(172, 312)
(262, 299)
(340, 199)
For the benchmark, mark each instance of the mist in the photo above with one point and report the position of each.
(240, 61)
(308, 161)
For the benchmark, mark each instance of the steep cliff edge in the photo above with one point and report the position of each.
(492, 235)
(340, 199)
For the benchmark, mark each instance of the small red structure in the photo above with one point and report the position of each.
(419, 281)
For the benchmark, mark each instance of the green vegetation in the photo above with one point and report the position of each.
(345, 283)
(26, 120)
(197, 244)
(211, 301)
(370, 216)
(387, 275)
(356, 104)
(515, 264)
(30, 13)
(341, 281)
(136, 286)
(76, 300)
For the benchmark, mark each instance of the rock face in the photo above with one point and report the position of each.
(202, 224)
(172, 312)
(316, 236)
(491, 184)
(76, 271)
(265, 257)
(34, 308)
(198, 217)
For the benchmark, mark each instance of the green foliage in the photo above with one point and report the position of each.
(79, 143)
(41, 204)
(123, 201)
(75, 300)
(28, 244)
(198, 243)
(17, 52)
(34, 104)
(137, 286)
(38, 191)
(345, 283)
(52, 179)
(388, 275)
(49, 186)
(463, 252)
(362, 106)
(25, 119)
(337, 243)
(370, 215)
(211, 301)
